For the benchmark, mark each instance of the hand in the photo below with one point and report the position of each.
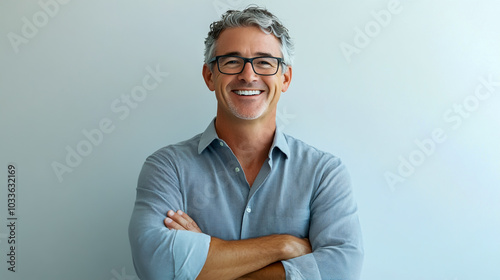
(180, 221)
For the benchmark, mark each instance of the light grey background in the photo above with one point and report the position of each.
(371, 107)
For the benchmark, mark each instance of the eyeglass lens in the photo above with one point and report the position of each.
(261, 65)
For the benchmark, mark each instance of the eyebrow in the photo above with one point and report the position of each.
(258, 54)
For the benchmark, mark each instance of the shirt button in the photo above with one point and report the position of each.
(237, 169)
(249, 210)
(221, 143)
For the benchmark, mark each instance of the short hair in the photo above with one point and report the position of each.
(251, 16)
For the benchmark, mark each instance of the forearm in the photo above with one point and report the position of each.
(274, 271)
(233, 259)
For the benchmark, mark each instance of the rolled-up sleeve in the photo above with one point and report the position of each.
(334, 232)
(157, 252)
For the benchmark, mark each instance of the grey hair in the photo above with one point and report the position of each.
(251, 16)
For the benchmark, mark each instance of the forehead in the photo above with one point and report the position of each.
(247, 41)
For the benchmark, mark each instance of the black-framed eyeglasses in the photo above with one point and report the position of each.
(233, 64)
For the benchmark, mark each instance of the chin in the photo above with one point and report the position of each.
(248, 116)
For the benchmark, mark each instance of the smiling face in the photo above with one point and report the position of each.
(247, 96)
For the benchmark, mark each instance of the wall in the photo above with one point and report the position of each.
(406, 93)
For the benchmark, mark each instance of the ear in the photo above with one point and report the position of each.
(208, 77)
(287, 79)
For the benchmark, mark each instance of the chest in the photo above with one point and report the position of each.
(224, 206)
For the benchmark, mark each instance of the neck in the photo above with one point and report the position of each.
(244, 135)
(250, 140)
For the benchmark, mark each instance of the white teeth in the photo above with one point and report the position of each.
(247, 92)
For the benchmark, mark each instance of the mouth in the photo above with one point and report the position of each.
(247, 92)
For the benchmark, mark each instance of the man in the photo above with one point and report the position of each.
(242, 200)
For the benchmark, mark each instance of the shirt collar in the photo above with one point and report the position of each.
(207, 137)
(210, 135)
(280, 143)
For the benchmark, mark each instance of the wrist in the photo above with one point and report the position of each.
(293, 247)
(278, 246)
(287, 248)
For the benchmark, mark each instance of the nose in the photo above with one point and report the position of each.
(247, 75)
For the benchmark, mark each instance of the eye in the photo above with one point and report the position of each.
(230, 61)
(265, 62)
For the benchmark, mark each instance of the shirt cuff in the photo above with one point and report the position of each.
(301, 268)
(190, 252)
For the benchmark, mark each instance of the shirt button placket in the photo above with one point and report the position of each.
(245, 225)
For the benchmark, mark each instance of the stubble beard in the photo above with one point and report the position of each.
(255, 114)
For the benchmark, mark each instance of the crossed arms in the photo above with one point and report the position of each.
(175, 248)
(256, 258)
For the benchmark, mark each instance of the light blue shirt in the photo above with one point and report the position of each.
(299, 190)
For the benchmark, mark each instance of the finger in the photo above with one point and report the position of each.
(183, 220)
(171, 224)
(190, 223)
(173, 221)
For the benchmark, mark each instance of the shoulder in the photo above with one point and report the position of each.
(181, 151)
(301, 151)
(311, 164)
